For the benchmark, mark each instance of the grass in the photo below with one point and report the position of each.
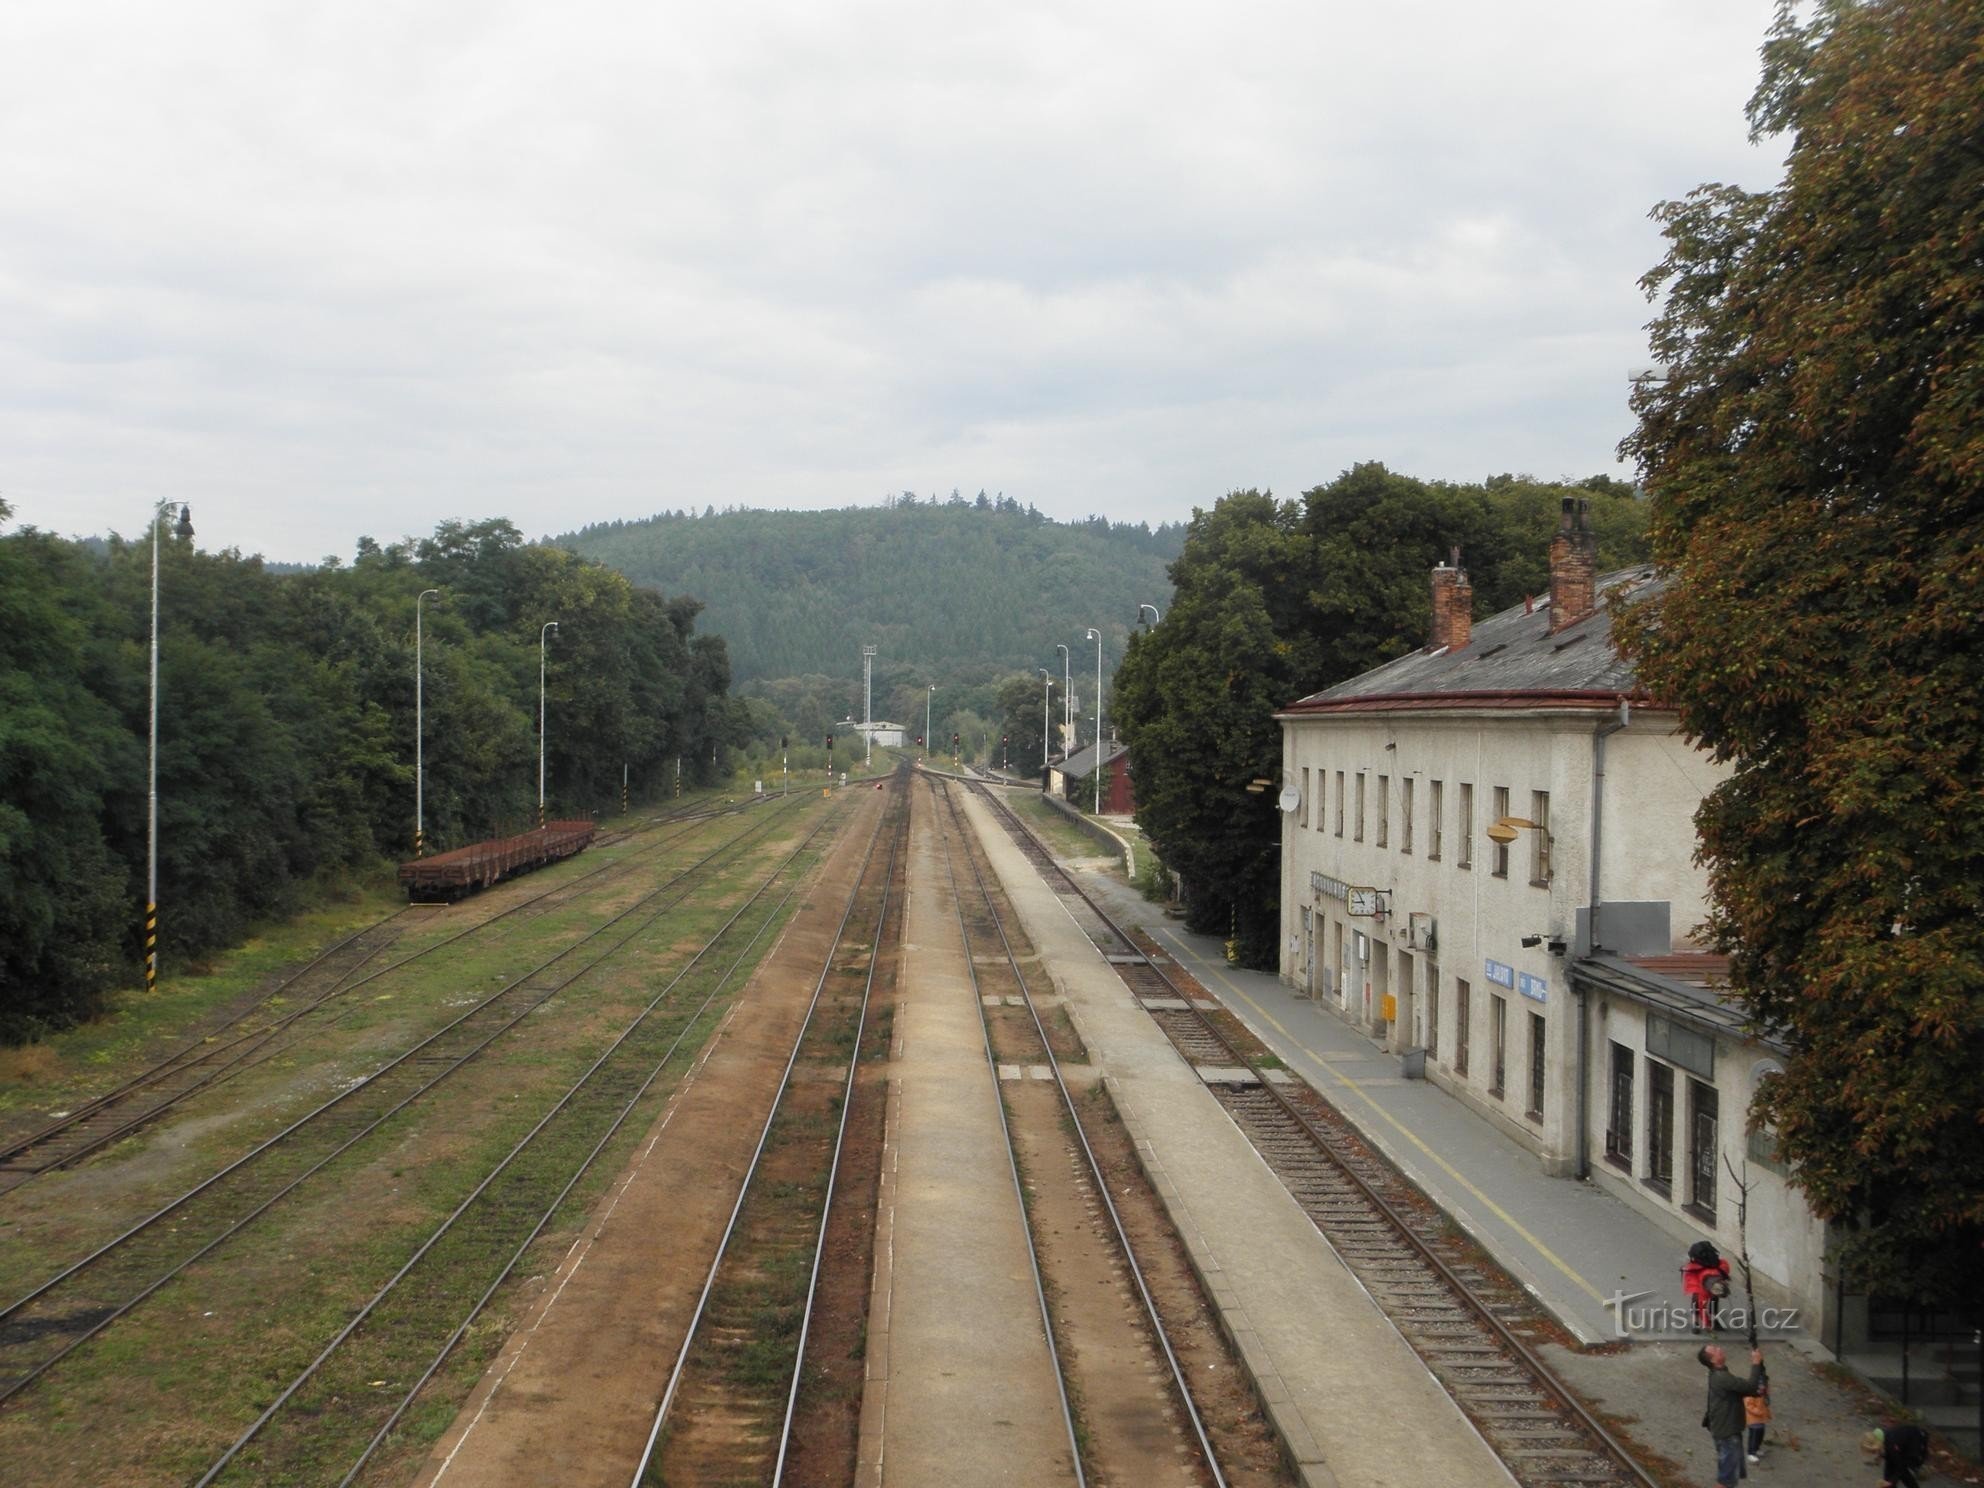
(235, 1328)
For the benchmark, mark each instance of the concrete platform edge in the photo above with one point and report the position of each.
(1299, 1448)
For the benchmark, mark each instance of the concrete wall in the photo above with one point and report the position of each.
(1786, 1243)
(1452, 918)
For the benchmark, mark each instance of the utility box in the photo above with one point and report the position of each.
(1412, 1064)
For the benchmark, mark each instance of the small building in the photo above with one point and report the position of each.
(881, 735)
(1073, 778)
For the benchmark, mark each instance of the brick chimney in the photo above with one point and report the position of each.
(1573, 567)
(1453, 606)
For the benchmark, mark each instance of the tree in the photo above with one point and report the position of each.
(1816, 458)
(1195, 698)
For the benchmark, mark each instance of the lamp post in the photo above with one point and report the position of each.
(1096, 636)
(419, 734)
(543, 631)
(1155, 618)
(926, 719)
(1067, 697)
(1046, 700)
(183, 529)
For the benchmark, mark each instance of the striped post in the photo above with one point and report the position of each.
(151, 947)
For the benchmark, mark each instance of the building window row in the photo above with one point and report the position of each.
(1435, 826)
(1703, 1133)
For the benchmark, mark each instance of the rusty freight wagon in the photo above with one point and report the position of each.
(449, 876)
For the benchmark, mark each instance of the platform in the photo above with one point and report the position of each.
(960, 1384)
(1349, 1399)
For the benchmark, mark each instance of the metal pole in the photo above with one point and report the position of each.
(183, 530)
(928, 742)
(1096, 636)
(151, 787)
(542, 721)
(1046, 701)
(419, 734)
(1067, 696)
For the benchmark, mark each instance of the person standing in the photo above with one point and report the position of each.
(1724, 1416)
(1901, 1449)
(1756, 1414)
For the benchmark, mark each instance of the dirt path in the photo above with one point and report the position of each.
(571, 1395)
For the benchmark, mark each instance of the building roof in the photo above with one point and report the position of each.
(1511, 661)
(1691, 987)
(1082, 762)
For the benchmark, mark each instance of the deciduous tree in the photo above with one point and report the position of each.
(1816, 458)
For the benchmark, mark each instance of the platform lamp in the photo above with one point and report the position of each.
(1155, 618)
(419, 734)
(183, 530)
(543, 631)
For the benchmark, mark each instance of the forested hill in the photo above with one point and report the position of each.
(949, 583)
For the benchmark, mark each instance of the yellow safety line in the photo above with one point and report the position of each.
(1403, 1130)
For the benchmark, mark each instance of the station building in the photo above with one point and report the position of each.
(1488, 866)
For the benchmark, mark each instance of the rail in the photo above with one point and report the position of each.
(1510, 1427)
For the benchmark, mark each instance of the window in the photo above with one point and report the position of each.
(1501, 849)
(1498, 1042)
(1435, 790)
(1536, 1067)
(1303, 819)
(1462, 1022)
(1339, 803)
(1702, 1150)
(1539, 840)
(1359, 832)
(1464, 825)
(1659, 1125)
(1384, 806)
(1405, 814)
(1619, 1120)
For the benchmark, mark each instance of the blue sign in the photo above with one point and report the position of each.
(1533, 987)
(1500, 975)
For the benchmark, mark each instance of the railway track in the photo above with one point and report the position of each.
(47, 1324)
(409, 1327)
(734, 1392)
(1110, 1445)
(262, 1031)
(1454, 1312)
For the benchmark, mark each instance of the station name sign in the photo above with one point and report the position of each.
(1535, 988)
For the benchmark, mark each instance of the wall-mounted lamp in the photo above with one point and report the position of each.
(1505, 829)
(1530, 942)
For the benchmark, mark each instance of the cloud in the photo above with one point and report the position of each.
(344, 270)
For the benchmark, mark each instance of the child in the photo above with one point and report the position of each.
(1756, 1414)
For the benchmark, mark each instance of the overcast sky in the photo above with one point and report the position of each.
(332, 270)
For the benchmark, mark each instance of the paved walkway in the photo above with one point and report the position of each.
(1571, 1244)
(960, 1387)
(1350, 1400)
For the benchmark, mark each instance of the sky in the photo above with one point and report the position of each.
(324, 271)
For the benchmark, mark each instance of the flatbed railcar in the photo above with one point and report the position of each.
(453, 875)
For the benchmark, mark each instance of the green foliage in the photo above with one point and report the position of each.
(1818, 462)
(1278, 599)
(970, 592)
(286, 721)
